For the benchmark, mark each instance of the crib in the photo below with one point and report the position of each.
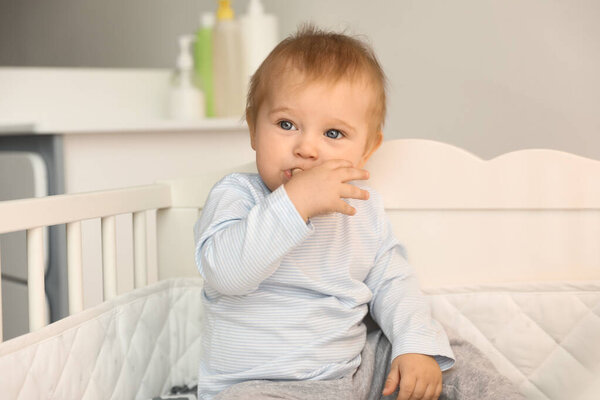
(507, 251)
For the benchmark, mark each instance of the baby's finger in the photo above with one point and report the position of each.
(430, 393)
(344, 208)
(438, 391)
(407, 387)
(353, 174)
(334, 164)
(391, 383)
(419, 390)
(349, 191)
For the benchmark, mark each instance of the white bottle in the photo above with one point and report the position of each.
(259, 36)
(228, 64)
(186, 100)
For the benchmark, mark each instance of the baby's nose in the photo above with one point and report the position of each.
(306, 148)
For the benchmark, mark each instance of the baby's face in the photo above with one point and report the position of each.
(300, 127)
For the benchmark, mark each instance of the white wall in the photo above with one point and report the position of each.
(94, 33)
(489, 76)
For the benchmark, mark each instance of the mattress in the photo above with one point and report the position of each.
(132, 347)
(545, 337)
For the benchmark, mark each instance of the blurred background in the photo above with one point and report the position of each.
(488, 76)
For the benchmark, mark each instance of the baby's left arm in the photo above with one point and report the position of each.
(420, 346)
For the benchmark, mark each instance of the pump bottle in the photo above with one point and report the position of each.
(186, 101)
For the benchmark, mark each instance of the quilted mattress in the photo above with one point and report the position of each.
(544, 337)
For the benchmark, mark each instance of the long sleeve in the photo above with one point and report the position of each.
(399, 307)
(242, 234)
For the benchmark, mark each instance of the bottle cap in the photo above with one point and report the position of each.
(255, 7)
(207, 20)
(224, 12)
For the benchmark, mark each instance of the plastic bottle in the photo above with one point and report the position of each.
(186, 101)
(259, 36)
(228, 64)
(203, 60)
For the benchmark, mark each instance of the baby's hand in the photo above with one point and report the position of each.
(320, 190)
(419, 376)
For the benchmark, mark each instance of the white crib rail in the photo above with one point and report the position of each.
(33, 215)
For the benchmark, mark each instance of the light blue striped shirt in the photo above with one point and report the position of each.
(285, 300)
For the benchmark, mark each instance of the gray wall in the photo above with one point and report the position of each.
(488, 76)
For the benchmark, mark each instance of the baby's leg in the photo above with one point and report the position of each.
(366, 383)
(473, 376)
(290, 390)
(370, 377)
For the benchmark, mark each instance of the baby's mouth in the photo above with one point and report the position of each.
(292, 171)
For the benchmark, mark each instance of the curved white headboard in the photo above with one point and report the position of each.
(435, 175)
(529, 215)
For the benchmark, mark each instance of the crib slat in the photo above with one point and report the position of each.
(35, 278)
(1, 328)
(109, 257)
(139, 244)
(74, 265)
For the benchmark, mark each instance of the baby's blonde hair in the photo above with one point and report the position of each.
(325, 56)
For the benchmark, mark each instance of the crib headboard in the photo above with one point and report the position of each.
(529, 215)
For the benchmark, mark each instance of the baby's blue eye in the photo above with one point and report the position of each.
(333, 134)
(287, 125)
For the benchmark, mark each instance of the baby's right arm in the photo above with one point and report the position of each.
(241, 238)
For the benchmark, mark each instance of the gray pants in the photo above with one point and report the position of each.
(473, 377)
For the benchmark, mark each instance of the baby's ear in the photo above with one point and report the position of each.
(372, 148)
(251, 129)
(252, 140)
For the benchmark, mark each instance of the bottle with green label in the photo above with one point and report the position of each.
(203, 60)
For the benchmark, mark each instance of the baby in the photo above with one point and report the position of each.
(295, 256)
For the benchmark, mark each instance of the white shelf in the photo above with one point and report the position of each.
(108, 126)
(209, 124)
